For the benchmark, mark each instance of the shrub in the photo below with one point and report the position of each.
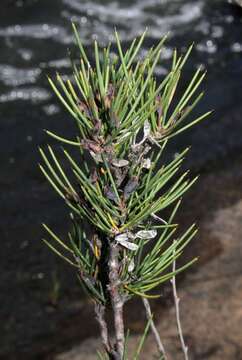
(120, 244)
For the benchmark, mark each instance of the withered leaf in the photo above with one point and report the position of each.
(91, 145)
(147, 128)
(109, 149)
(131, 266)
(84, 108)
(94, 176)
(122, 239)
(120, 175)
(111, 90)
(120, 163)
(129, 245)
(110, 194)
(97, 125)
(130, 187)
(96, 157)
(159, 107)
(146, 163)
(146, 234)
(109, 97)
(92, 104)
(107, 102)
(98, 99)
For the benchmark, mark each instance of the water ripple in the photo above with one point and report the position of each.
(97, 18)
(12, 76)
(38, 31)
(34, 95)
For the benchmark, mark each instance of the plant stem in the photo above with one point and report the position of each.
(178, 319)
(153, 328)
(117, 301)
(100, 317)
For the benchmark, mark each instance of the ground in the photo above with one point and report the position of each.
(211, 292)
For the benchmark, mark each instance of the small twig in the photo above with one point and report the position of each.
(178, 320)
(160, 346)
(100, 316)
(152, 139)
(135, 145)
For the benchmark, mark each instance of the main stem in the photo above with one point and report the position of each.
(100, 316)
(117, 301)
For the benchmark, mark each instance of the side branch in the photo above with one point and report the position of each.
(178, 319)
(160, 346)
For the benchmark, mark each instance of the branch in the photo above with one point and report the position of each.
(153, 328)
(178, 320)
(117, 301)
(100, 317)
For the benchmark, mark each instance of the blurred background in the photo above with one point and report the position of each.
(43, 313)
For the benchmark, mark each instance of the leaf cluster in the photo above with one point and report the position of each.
(124, 121)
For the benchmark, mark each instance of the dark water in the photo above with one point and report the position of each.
(34, 37)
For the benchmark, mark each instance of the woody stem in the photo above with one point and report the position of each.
(117, 301)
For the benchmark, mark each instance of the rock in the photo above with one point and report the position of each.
(211, 292)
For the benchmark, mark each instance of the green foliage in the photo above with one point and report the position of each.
(119, 184)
